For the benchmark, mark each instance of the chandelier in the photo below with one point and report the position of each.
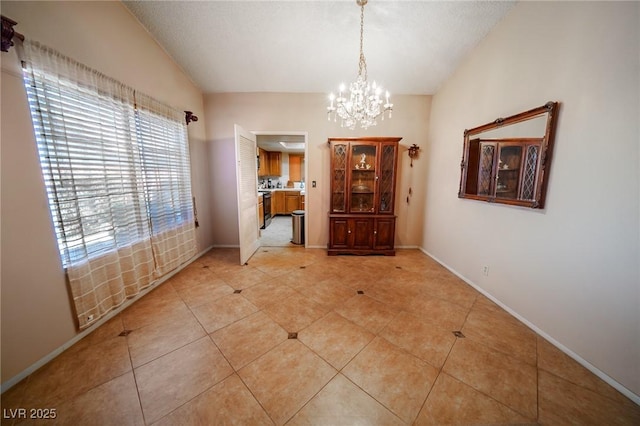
(363, 103)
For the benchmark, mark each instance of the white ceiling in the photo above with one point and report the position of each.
(272, 142)
(411, 47)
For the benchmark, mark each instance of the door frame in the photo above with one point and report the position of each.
(305, 135)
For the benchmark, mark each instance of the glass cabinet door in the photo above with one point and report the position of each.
(530, 172)
(363, 178)
(485, 168)
(386, 182)
(508, 171)
(338, 178)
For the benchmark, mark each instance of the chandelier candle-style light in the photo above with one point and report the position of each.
(363, 103)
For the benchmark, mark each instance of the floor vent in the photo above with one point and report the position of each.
(293, 335)
(459, 334)
(237, 291)
(360, 292)
(125, 333)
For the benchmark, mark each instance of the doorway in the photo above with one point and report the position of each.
(282, 176)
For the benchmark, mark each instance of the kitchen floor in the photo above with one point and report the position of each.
(298, 337)
(278, 233)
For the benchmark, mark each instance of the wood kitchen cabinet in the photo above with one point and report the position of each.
(275, 159)
(363, 187)
(274, 210)
(263, 170)
(291, 201)
(260, 211)
(277, 201)
(269, 163)
(296, 167)
(286, 202)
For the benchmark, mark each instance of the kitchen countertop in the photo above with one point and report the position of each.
(283, 189)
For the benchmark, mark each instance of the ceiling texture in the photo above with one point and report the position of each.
(411, 47)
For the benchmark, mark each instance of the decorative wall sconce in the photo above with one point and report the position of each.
(413, 152)
(189, 117)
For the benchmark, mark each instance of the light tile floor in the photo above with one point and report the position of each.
(297, 338)
(279, 233)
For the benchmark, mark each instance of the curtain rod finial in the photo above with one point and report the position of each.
(7, 33)
(189, 117)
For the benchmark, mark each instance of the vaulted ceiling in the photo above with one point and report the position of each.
(411, 47)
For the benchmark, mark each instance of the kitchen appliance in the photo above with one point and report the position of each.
(266, 203)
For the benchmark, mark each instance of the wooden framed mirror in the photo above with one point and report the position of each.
(507, 161)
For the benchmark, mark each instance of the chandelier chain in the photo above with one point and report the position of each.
(363, 62)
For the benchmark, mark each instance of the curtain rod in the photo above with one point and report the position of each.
(8, 33)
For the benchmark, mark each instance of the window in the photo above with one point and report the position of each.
(116, 169)
(114, 173)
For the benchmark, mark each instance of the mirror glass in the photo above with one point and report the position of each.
(532, 128)
(505, 161)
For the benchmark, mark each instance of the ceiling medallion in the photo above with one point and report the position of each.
(363, 104)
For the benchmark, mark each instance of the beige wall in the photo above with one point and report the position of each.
(37, 316)
(307, 113)
(572, 269)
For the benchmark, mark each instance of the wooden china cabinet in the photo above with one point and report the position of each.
(363, 192)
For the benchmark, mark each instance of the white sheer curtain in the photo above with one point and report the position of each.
(167, 173)
(117, 177)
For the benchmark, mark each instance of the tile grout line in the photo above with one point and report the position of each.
(174, 350)
(247, 386)
(340, 371)
(135, 378)
(441, 369)
(315, 394)
(493, 349)
(371, 396)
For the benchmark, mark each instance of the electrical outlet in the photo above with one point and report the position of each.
(313, 184)
(485, 270)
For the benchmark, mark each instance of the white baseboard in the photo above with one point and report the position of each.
(619, 387)
(50, 356)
